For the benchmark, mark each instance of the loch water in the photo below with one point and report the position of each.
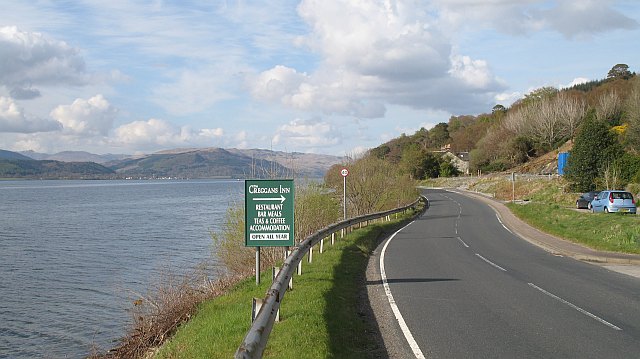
(74, 254)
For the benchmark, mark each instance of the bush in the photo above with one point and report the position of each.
(595, 147)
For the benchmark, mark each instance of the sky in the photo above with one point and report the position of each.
(333, 77)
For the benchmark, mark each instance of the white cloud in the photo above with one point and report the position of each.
(586, 17)
(306, 134)
(568, 17)
(92, 117)
(576, 81)
(30, 59)
(195, 90)
(13, 119)
(475, 73)
(507, 98)
(375, 54)
(278, 83)
(241, 140)
(156, 134)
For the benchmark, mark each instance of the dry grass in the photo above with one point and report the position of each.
(175, 299)
(155, 317)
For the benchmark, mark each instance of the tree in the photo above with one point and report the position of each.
(439, 134)
(595, 148)
(411, 161)
(448, 169)
(609, 108)
(619, 71)
(498, 108)
(539, 94)
(632, 111)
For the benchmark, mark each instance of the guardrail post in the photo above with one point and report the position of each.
(333, 238)
(255, 340)
(255, 308)
(310, 257)
(321, 245)
(300, 268)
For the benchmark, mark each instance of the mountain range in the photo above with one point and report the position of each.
(175, 163)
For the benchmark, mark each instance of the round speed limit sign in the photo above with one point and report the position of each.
(344, 172)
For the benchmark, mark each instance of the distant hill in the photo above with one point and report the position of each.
(74, 156)
(200, 163)
(53, 169)
(309, 165)
(178, 163)
(228, 163)
(8, 155)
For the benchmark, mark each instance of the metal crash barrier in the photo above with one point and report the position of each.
(256, 338)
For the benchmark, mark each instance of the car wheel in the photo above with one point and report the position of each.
(577, 205)
(606, 210)
(589, 206)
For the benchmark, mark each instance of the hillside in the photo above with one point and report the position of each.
(53, 169)
(175, 163)
(74, 156)
(527, 136)
(226, 163)
(8, 155)
(212, 163)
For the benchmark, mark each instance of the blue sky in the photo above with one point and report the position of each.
(322, 76)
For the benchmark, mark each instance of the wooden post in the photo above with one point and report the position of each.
(257, 265)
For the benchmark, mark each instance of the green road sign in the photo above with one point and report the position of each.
(268, 212)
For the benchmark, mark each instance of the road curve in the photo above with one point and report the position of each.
(466, 287)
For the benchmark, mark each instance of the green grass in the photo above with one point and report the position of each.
(320, 317)
(609, 232)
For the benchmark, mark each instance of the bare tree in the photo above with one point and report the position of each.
(517, 122)
(609, 106)
(632, 109)
(571, 112)
(546, 125)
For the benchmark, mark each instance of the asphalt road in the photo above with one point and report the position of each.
(466, 287)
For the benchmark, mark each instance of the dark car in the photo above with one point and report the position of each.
(584, 201)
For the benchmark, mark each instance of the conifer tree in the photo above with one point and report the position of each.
(594, 147)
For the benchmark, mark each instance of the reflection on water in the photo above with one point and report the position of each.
(73, 253)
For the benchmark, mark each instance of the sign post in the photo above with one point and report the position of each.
(269, 219)
(344, 172)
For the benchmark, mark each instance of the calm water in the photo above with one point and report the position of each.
(72, 253)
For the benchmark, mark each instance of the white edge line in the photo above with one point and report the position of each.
(463, 243)
(394, 307)
(593, 316)
(490, 262)
(503, 226)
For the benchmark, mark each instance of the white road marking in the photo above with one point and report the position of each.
(463, 243)
(593, 316)
(503, 226)
(394, 307)
(491, 263)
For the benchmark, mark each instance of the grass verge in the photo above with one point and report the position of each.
(322, 317)
(609, 232)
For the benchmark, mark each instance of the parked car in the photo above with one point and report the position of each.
(614, 201)
(584, 201)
